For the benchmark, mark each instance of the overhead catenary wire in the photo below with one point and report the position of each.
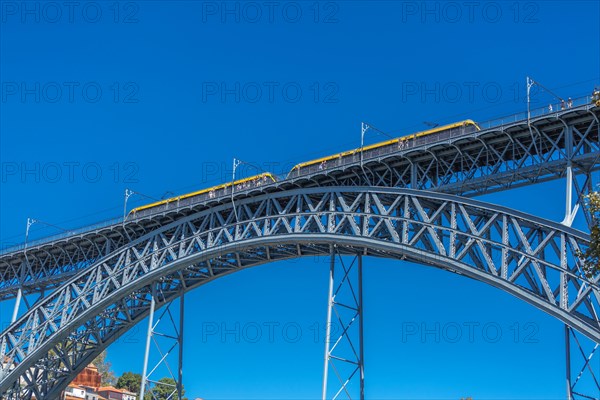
(379, 130)
(547, 90)
(495, 105)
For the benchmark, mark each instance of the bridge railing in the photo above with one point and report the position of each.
(62, 235)
(550, 109)
(367, 155)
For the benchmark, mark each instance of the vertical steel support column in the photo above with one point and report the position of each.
(166, 334)
(568, 221)
(148, 338)
(328, 324)
(568, 363)
(570, 213)
(570, 210)
(583, 381)
(569, 196)
(344, 353)
(360, 330)
(17, 304)
(180, 369)
(413, 176)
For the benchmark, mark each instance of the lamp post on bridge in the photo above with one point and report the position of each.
(128, 194)
(31, 221)
(363, 129)
(236, 163)
(530, 83)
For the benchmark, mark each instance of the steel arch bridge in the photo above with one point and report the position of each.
(533, 259)
(512, 154)
(95, 283)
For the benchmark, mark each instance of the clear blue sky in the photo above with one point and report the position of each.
(159, 96)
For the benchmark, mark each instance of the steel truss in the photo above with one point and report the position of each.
(167, 338)
(533, 259)
(507, 156)
(504, 157)
(344, 347)
(583, 381)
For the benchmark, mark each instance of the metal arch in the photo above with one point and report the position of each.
(526, 256)
(480, 140)
(559, 118)
(433, 155)
(47, 267)
(508, 135)
(536, 129)
(594, 115)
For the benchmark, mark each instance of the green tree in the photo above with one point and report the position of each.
(105, 369)
(163, 390)
(591, 255)
(130, 381)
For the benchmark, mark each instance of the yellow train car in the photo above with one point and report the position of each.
(240, 184)
(436, 130)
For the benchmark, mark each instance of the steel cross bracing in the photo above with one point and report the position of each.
(344, 351)
(582, 366)
(167, 337)
(533, 259)
(506, 156)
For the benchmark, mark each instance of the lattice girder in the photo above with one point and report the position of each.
(531, 258)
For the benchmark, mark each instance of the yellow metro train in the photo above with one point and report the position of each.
(213, 192)
(466, 126)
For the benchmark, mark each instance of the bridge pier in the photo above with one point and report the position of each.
(172, 333)
(581, 190)
(568, 363)
(586, 384)
(344, 347)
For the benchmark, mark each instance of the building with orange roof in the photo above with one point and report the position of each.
(87, 385)
(112, 393)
